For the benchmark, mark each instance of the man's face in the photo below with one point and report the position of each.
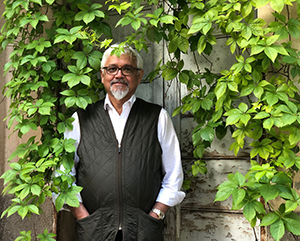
(119, 86)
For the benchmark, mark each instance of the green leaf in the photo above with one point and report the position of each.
(294, 136)
(94, 60)
(85, 79)
(281, 50)
(68, 93)
(24, 192)
(261, 115)
(249, 211)
(22, 211)
(206, 104)
(223, 194)
(271, 53)
(136, 24)
(32, 208)
(81, 102)
(272, 39)
(169, 73)
(292, 222)
(269, 192)
(256, 49)
(259, 207)
(75, 30)
(281, 178)
(80, 63)
(277, 229)
(220, 89)
(76, 189)
(184, 78)
(88, 17)
(12, 210)
(269, 218)
(277, 5)
(167, 19)
(173, 45)
(290, 206)
(72, 200)
(258, 91)
(177, 111)
(239, 179)
(70, 148)
(268, 123)
(247, 90)
(196, 106)
(61, 128)
(16, 166)
(183, 44)
(9, 175)
(207, 133)
(228, 184)
(70, 101)
(35, 189)
(233, 119)
(238, 195)
(44, 110)
(201, 44)
(72, 79)
(124, 21)
(59, 202)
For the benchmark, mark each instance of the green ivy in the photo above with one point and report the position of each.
(54, 69)
(256, 99)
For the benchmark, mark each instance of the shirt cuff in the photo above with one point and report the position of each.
(170, 197)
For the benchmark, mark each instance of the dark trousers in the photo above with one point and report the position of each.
(119, 236)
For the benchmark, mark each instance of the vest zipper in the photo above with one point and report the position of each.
(119, 184)
(119, 148)
(119, 181)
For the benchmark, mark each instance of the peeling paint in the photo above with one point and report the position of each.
(215, 226)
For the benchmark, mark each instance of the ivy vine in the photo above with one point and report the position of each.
(54, 68)
(54, 71)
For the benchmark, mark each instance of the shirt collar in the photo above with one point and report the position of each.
(130, 102)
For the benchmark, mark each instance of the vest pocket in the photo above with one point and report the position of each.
(149, 228)
(89, 228)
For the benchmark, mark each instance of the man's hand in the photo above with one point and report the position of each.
(80, 212)
(154, 215)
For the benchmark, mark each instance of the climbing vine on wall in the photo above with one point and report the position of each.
(256, 100)
(54, 70)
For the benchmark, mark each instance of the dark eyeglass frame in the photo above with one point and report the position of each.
(117, 70)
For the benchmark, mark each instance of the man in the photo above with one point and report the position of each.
(127, 159)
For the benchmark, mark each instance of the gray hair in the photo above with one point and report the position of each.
(127, 50)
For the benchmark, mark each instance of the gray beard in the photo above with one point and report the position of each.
(117, 93)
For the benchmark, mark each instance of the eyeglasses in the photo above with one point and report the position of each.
(127, 71)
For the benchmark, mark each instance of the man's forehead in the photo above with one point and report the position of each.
(123, 57)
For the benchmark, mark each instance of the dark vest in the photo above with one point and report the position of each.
(120, 183)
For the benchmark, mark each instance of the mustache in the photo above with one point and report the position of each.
(122, 81)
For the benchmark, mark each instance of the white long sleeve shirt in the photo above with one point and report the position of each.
(170, 193)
